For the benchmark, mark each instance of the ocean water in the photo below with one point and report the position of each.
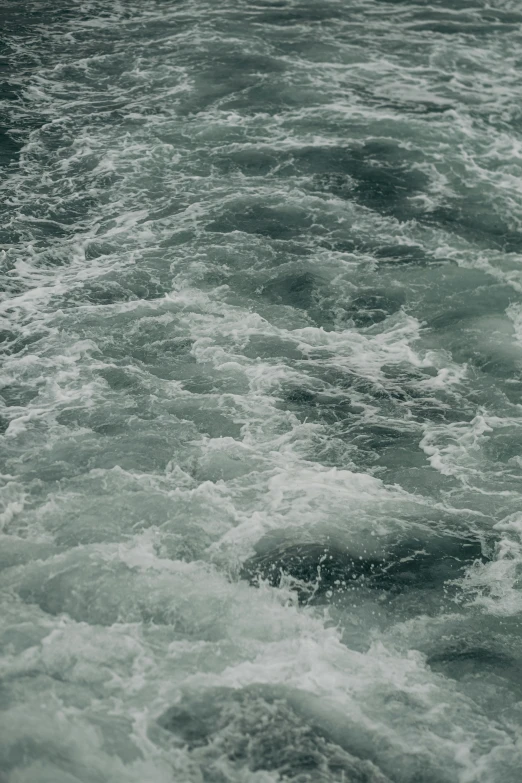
(261, 424)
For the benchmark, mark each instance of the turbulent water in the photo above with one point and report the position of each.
(261, 335)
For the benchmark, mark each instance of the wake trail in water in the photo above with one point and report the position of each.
(261, 436)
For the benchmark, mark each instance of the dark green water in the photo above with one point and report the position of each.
(261, 424)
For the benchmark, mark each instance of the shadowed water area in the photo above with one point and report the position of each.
(260, 391)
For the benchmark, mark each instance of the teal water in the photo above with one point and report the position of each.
(261, 424)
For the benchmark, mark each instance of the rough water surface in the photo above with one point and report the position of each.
(261, 424)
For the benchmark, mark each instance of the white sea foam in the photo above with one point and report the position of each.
(262, 287)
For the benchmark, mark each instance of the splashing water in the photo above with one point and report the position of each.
(261, 336)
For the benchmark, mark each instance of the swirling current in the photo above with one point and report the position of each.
(260, 404)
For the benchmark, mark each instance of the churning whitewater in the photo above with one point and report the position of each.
(261, 423)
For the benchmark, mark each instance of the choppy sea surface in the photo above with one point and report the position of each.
(261, 423)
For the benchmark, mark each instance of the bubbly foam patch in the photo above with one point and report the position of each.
(260, 392)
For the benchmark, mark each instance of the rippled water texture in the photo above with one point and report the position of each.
(261, 432)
